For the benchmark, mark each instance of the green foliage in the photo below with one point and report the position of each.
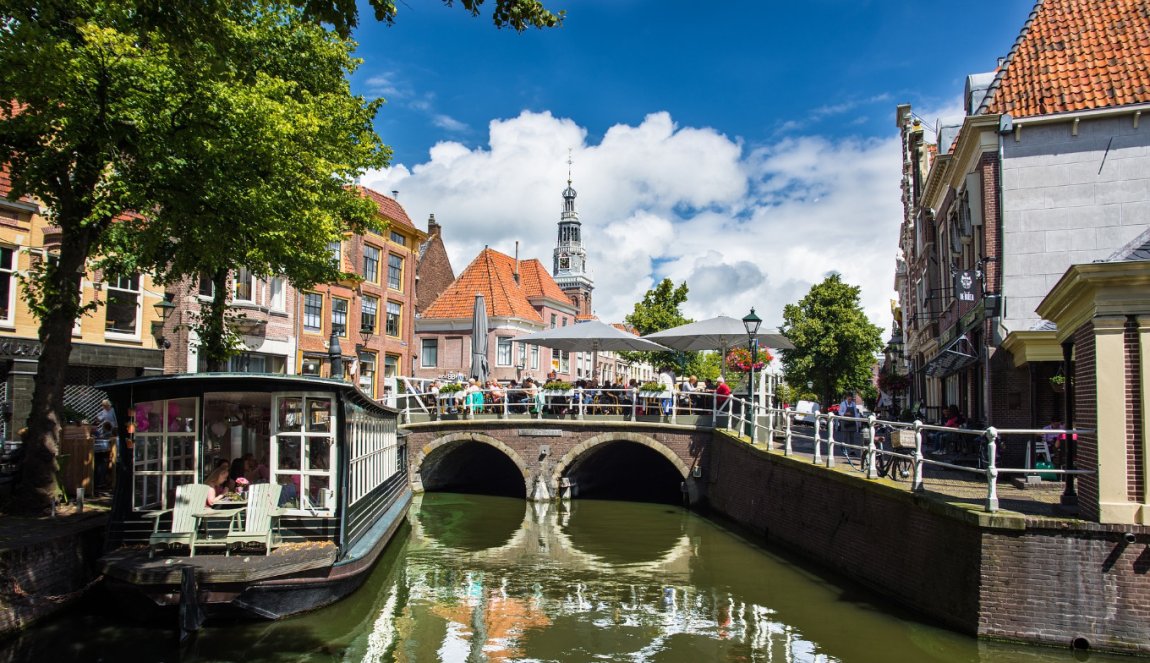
(451, 388)
(558, 385)
(659, 310)
(515, 14)
(835, 343)
(652, 386)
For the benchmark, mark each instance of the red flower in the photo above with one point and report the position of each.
(739, 359)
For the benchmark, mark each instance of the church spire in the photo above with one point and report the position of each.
(570, 264)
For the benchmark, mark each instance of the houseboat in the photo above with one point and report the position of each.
(332, 457)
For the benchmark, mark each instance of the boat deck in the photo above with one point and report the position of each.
(131, 564)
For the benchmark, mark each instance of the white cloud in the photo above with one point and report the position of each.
(448, 123)
(743, 227)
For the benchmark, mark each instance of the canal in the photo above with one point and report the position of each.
(489, 579)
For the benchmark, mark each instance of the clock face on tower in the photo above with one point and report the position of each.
(564, 261)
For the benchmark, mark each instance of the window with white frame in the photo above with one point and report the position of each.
(535, 357)
(164, 455)
(390, 366)
(374, 442)
(503, 351)
(244, 286)
(303, 453)
(122, 311)
(368, 314)
(367, 373)
(7, 284)
(522, 355)
(312, 311)
(370, 263)
(394, 272)
(336, 251)
(429, 352)
(277, 300)
(393, 315)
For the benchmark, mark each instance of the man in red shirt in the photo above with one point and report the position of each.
(722, 393)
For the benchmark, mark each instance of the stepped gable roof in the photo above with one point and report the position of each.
(388, 207)
(491, 274)
(537, 281)
(1073, 56)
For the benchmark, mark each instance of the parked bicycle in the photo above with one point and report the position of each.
(890, 461)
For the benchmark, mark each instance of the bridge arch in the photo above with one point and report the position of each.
(441, 446)
(590, 445)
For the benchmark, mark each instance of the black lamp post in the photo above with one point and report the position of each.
(751, 322)
(335, 354)
(164, 308)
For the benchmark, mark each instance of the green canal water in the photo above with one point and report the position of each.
(476, 579)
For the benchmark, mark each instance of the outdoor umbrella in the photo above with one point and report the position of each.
(718, 333)
(590, 336)
(479, 341)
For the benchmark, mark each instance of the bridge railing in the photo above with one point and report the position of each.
(868, 443)
(827, 437)
(576, 403)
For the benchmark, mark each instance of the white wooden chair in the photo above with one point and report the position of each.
(260, 520)
(191, 501)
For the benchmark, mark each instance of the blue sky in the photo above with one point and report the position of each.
(747, 148)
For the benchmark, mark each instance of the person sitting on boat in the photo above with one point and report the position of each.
(217, 483)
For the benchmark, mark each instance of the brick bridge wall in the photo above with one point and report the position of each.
(522, 441)
(1041, 580)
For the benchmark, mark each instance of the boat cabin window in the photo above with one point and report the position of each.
(164, 454)
(373, 451)
(303, 454)
(237, 431)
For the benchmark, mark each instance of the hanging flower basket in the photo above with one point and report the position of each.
(1058, 383)
(892, 382)
(739, 359)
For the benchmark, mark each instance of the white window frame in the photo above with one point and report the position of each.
(366, 303)
(319, 317)
(346, 309)
(162, 439)
(398, 320)
(115, 284)
(398, 285)
(373, 277)
(372, 453)
(502, 350)
(9, 273)
(277, 299)
(304, 506)
(534, 357)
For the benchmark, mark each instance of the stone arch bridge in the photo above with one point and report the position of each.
(542, 460)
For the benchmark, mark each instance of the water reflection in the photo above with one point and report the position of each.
(489, 579)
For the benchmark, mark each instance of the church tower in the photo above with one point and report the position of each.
(570, 266)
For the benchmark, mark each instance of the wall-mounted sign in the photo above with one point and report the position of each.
(964, 281)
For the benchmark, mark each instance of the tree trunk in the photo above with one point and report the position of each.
(214, 345)
(42, 437)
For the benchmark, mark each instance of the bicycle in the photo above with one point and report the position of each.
(895, 467)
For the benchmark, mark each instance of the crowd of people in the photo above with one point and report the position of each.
(610, 397)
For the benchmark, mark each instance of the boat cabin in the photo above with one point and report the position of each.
(335, 452)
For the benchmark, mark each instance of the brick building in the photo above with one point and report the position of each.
(1049, 168)
(433, 273)
(113, 341)
(372, 316)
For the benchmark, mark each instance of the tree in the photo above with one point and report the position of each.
(659, 310)
(835, 343)
(112, 107)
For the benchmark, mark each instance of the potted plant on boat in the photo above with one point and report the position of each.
(558, 388)
(653, 390)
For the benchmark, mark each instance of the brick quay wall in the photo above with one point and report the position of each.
(1048, 581)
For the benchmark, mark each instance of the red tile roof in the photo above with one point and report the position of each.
(491, 274)
(1075, 55)
(537, 282)
(388, 207)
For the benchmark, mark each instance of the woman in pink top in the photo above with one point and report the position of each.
(217, 483)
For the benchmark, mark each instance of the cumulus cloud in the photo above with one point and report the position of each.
(743, 226)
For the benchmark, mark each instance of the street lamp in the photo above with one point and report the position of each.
(164, 308)
(751, 322)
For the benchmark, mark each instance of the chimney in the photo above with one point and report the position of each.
(516, 261)
(395, 194)
(432, 225)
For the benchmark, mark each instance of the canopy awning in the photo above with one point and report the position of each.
(957, 355)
